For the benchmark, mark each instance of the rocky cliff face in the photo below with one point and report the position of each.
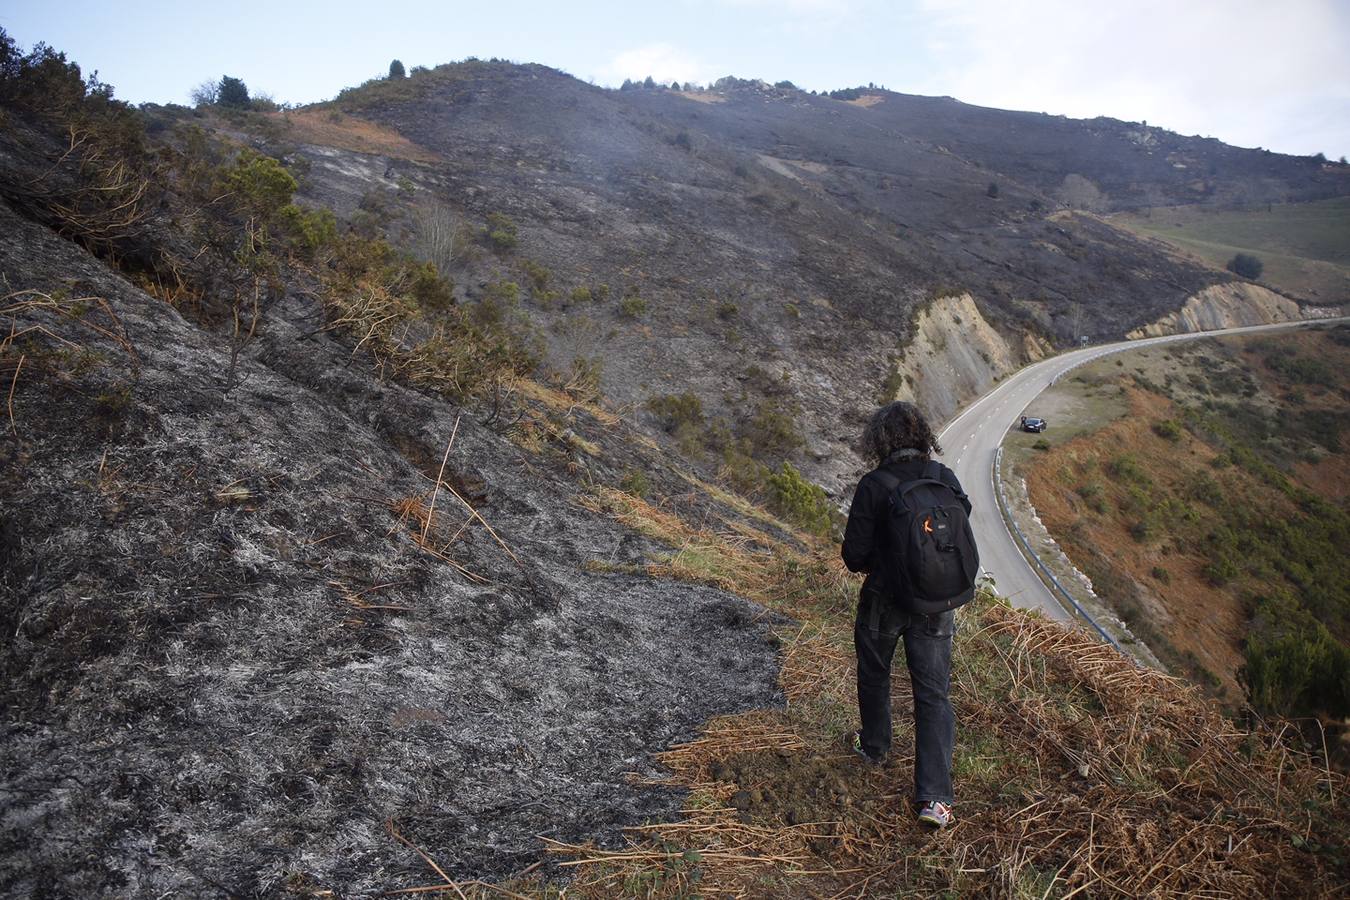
(956, 354)
(1230, 305)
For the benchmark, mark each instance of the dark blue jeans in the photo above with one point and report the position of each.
(928, 654)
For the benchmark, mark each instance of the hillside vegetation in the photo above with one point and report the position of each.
(1305, 247)
(1214, 514)
(321, 577)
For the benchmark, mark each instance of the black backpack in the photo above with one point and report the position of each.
(929, 558)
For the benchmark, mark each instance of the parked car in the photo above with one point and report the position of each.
(1033, 424)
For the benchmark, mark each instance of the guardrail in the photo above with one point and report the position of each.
(1035, 558)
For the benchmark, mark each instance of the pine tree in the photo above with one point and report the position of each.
(232, 93)
(396, 70)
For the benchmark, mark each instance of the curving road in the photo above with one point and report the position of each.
(970, 440)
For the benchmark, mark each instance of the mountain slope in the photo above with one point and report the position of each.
(764, 230)
(316, 581)
(1212, 511)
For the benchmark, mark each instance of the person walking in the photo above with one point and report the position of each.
(901, 443)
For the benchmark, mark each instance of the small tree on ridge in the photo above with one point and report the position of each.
(232, 93)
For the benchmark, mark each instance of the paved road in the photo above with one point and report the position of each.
(970, 440)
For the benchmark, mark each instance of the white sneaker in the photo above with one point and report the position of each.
(936, 813)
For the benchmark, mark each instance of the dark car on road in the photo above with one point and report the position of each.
(1033, 423)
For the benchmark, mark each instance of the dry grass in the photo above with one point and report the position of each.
(344, 131)
(728, 560)
(1092, 805)
(445, 354)
(18, 344)
(1079, 774)
(561, 402)
(866, 100)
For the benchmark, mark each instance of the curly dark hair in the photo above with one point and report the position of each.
(898, 426)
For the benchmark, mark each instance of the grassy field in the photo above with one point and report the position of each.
(1305, 246)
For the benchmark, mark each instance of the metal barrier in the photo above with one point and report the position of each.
(1034, 557)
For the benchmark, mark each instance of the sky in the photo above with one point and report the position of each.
(1254, 73)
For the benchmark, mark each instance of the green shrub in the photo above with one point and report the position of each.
(258, 185)
(726, 310)
(891, 386)
(580, 295)
(1161, 575)
(309, 231)
(371, 293)
(1168, 429)
(430, 289)
(1126, 468)
(501, 231)
(538, 274)
(1246, 265)
(498, 302)
(1093, 496)
(741, 470)
(799, 501)
(677, 412)
(633, 307)
(1220, 570)
(635, 482)
(1206, 490)
(772, 431)
(1041, 444)
(1293, 665)
(1300, 369)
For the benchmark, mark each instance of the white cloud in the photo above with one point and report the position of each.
(1248, 72)
(662, 62)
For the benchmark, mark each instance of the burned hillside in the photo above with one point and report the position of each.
(262, 601)
(755, 229)
(330, 568)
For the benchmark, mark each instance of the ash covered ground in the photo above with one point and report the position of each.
(228, 664)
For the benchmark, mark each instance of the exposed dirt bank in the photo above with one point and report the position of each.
(1231, 305)
(955, 355)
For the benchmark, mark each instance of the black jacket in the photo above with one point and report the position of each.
(868, 513)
